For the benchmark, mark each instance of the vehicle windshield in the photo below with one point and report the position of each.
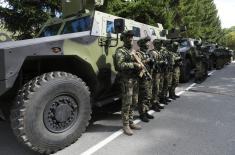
(77, 25)
(50, 30)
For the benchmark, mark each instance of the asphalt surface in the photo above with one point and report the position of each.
(201, 122)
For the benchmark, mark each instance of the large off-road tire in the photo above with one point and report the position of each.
(185, 72)
(51, 112)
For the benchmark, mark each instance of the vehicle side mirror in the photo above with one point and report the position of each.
(119, 25)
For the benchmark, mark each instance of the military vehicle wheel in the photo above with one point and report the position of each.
(186, 71)
(51, 112)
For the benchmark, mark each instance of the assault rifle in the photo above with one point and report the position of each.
(144, 70)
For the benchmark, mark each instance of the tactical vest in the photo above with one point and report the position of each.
(128, 57)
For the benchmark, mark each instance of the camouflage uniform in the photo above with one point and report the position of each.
(158, 63)
(176, 71)
(164, 76)
(128, 81)
(201, 66)
(127, 69)
(171, 63)
(145, 84)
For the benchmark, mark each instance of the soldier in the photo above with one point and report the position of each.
(164, 74)
(176, 70)
(127, 68)
(200, 66)
(145, 83)
(158, 63)
(171, 63)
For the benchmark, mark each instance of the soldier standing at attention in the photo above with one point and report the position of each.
(171, 63)
(176, 70)
(128, 70)
(145, 84)
(164, 73)
(199, 68)
(157, 68)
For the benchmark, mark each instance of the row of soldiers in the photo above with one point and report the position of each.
(146, 77)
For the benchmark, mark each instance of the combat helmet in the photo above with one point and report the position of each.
(142, 42)
(157, 43)
(125, 34)
(175, 46)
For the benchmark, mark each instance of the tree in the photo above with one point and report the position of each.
(200, 16)
(229, 37)
(24, 18)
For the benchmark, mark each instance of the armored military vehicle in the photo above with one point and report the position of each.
(209, 49)
(186, 50)
(187, 53)
(52, 82)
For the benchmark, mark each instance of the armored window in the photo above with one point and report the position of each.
(77, 25)
(110, 27)
(152, 31)
(50, 30)
(136, 31)
(184, 44)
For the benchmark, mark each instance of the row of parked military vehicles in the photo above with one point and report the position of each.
(215, 56)
(49, 85)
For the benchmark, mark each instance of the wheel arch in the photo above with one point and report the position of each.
(70, 64)
(37, 65)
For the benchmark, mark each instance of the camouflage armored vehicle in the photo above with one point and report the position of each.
(222, 57)
(190, 54)
(51, 83)
(187, 52)
(208, 50)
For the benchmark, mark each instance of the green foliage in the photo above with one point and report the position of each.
(200, 16)
(229, 37)
(24, 18)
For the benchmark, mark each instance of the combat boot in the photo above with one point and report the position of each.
(135, 126)
(176, 96)
(168, 100)
(171, 94)
(149, 116)
(144, 118)
(160, 106)
(172, 97)
(155, 108)
(165, 101)
(127, 130)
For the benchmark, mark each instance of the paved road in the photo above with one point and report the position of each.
(201, 122)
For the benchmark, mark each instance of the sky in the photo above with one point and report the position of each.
(226, 11)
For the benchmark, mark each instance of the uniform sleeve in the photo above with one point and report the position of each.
(160, 58)
(178, 57)
(121, 62)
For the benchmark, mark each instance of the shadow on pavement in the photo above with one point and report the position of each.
(9, 144)
(103, 128)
